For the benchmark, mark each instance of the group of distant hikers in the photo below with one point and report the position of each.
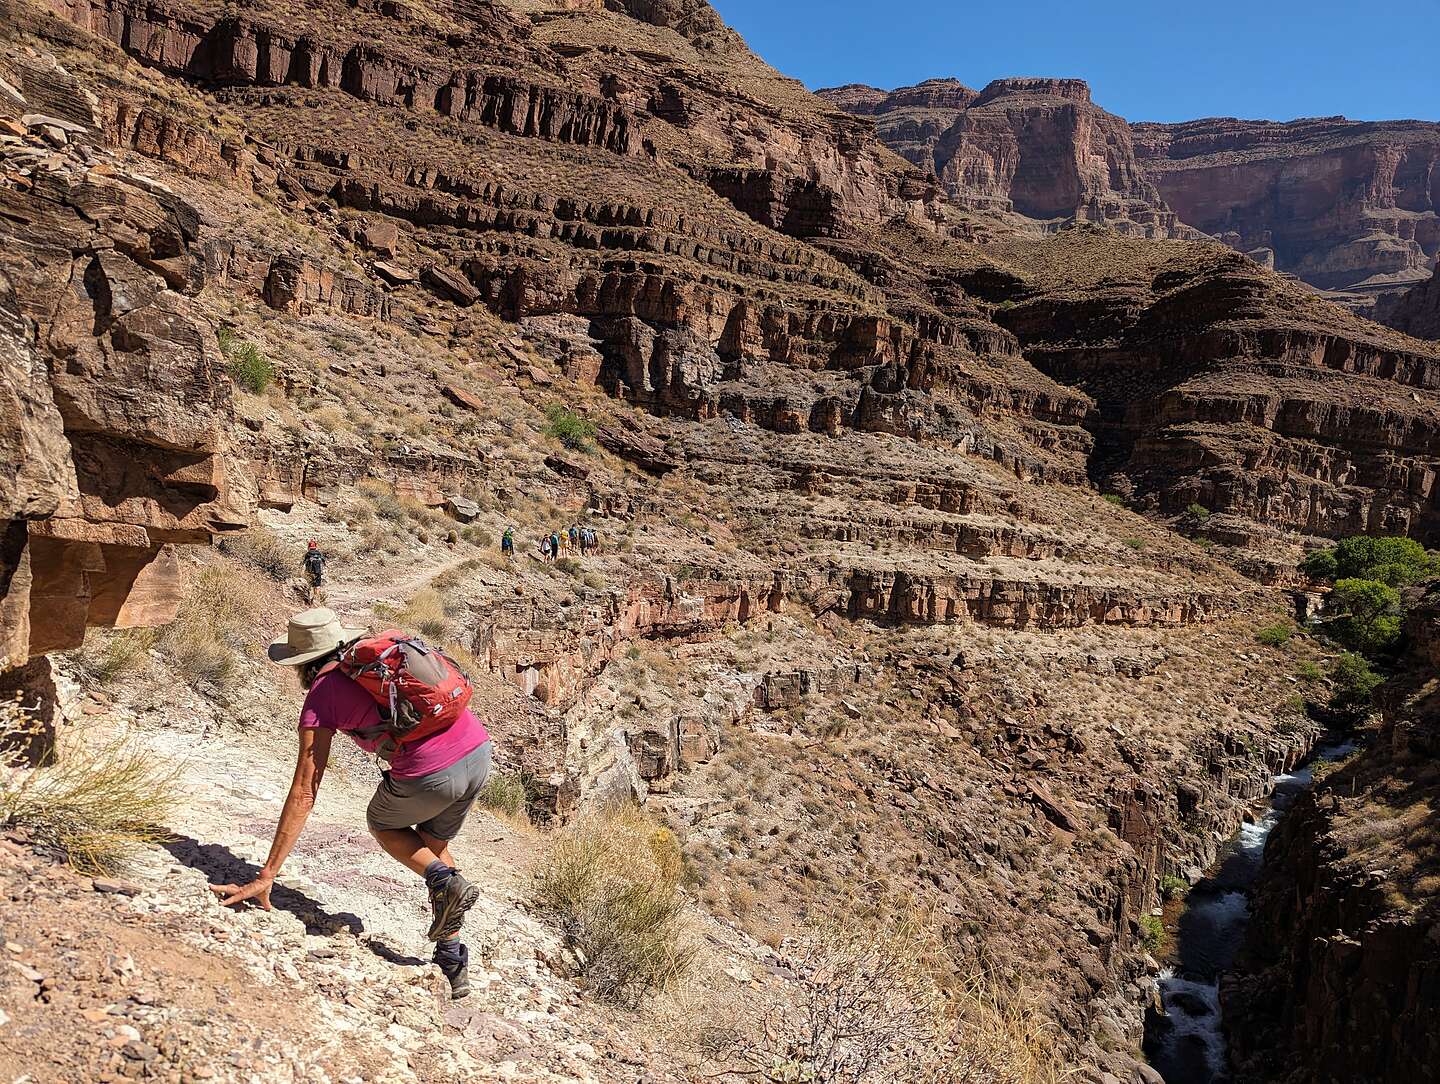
(406, 702)
(575, 539)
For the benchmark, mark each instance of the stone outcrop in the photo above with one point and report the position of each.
(115, 405)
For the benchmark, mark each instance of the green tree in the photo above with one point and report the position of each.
(1370, 610)
(1397, 562)
(1355, 682)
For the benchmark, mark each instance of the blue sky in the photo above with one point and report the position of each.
(1276, 59)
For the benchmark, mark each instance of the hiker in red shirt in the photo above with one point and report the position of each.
(422, 799)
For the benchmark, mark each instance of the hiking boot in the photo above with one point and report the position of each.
(453, 959)
(450, 898)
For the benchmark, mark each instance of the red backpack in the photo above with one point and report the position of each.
(419, 689)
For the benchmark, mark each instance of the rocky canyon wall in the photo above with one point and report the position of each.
(1339, 980)
(1346, 206)
(115, 406)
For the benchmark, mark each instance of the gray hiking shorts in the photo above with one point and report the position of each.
(436, 803)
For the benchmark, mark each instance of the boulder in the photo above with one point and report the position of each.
(449, 285)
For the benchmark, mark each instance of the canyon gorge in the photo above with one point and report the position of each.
(951, 450)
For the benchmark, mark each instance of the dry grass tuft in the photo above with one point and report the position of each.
(108, 655)
(611, 884)
(425, 613)
(216, 623)
(263, 550)
(95, 802)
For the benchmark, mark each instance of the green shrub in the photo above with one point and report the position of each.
(1115, 499)
(247, 366)
(1309, 673)
(1319, 566)
(610, 883)
(1152, 933)
(1172, 887)
(569, 566)
(504, 793)
(1197, 512)
(569, 428)
(1355, 682)
(1136, 544)
(1275, 635)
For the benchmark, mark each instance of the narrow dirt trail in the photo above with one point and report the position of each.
(357, 598)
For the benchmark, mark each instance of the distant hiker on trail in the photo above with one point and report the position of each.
(546, 551)
(315, 564)
(438, 754)
(574, 536)
(555, 543)
(507, 542)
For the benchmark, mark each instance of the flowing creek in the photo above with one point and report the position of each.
(1187, 1045)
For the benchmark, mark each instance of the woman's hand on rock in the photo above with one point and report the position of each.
(257, 890)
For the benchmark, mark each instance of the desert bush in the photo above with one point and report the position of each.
(1115, 499)
(610, 882)
(1309, 672)
(1172, 887)
(866, 1004)
(1277, 635)
(94, 802)
(569, 428)
(504, 793)
(425, 613)
(262, 549)
(329, 418)
(215, 624)
(247, 366)
(869, 1008)
(1152, 933)
(1197, 513)
(477, 535)
(1136, 544)
(383, 500)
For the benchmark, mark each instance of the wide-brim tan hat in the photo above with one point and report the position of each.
(312, 634)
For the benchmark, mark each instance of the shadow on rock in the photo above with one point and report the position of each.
(222, 866)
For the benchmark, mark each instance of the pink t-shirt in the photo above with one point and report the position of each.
(334, 702)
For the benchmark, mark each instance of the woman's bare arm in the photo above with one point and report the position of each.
(309, 770)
